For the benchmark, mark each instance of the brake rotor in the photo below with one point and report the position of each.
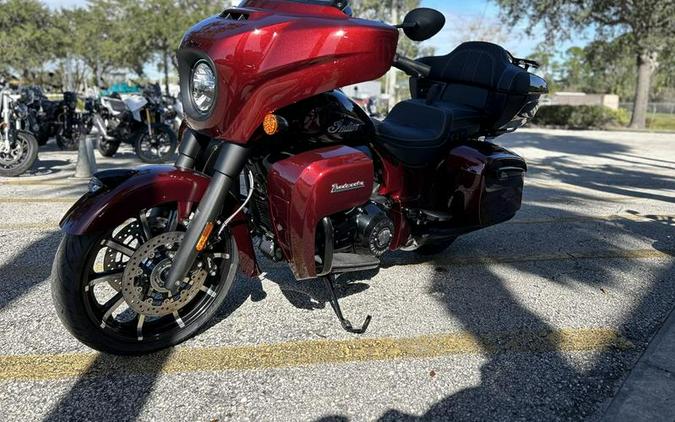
(114, 261)
(16, 153)
(144, 283)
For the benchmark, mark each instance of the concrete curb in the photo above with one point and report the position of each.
(648, 394)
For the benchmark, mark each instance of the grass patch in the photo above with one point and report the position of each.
(661, 121)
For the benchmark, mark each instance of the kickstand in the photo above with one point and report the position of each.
(329, 281)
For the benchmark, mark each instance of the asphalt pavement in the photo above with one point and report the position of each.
(542, 318)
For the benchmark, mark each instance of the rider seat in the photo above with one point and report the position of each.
(416, 132)
(474, 91)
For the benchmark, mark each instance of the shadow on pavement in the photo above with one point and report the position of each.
(30, 265)
(545, 385)
(112, 389)
(623, 178)
(551, 385)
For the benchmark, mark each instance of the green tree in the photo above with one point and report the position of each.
(649, 24)
(95, 37)
(392, 12)
(162, 24)
(575, 70)
(549, 68)
(26, 38)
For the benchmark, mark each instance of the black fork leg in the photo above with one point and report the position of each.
(190, 147)
(229, 165)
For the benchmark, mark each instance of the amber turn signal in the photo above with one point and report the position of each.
(273, 124)
(204, 237)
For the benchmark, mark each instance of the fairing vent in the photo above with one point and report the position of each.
(234, 16)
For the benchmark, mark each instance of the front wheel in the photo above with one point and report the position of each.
(107, 147)
(69, 143)
(20, 156)
(158, 147)
(109, 288)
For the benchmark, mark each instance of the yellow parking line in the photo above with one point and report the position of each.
(33, 200)
(601, 218)
(28, 182)
(561, 256)
(294, 354)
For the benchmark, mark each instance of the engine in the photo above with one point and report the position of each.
(364, 230)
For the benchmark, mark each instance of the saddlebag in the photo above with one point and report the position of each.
(486, 183)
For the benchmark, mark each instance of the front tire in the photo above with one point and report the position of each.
(75, 279)
(107, 148)
(158, 148)
(21, 156)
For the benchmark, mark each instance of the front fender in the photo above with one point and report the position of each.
(126, 192)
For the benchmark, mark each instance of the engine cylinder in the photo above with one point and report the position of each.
(375, 229)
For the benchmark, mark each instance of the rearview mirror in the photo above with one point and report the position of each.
(422, 24)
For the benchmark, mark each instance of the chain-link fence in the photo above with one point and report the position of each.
(653, 108)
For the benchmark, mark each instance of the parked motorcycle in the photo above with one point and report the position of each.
(70, 125)
(54, 119)
(150, 254)
(18, 146)
(173, 115)
(139, 121)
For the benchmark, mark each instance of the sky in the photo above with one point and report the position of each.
(457, 13)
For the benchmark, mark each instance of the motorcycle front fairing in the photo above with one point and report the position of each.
(135, 104)
(269, 54)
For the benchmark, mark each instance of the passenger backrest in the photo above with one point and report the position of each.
(482, 75)
(480, 64)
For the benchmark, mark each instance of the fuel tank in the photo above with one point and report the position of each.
(329, 118)
(268, 54)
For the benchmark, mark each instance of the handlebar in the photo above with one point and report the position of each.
(411, 67)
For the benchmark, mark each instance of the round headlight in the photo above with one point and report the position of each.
(203, 87)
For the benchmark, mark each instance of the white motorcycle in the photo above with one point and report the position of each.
(136, 120)
(18, 148)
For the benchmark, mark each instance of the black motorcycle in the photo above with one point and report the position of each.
(136, 120)
(70, 127)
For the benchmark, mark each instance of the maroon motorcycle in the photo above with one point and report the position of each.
(274, 151)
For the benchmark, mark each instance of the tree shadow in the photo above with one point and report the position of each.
(113, 388)
(312, 295)
(527, 375)
(45, 167)
(623, 178)
(30, 264)
(543, 384)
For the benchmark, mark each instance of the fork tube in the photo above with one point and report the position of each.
(229, 165)
(6, 121)
(190, 146)
(147, 117)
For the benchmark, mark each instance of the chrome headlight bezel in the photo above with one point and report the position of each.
(204, 100)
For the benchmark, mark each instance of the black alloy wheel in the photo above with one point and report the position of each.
(110, 288)
(21, 155)
(158, 147)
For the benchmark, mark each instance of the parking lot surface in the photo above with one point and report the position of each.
(541, 318)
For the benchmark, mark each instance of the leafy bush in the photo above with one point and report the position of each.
(580, 117)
